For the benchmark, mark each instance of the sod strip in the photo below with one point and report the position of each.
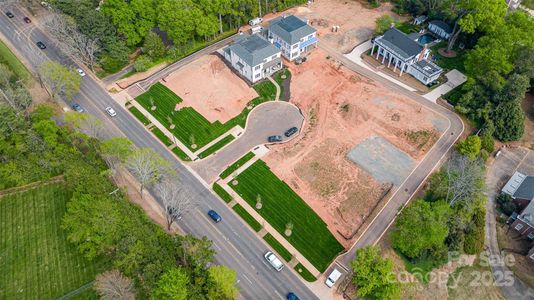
(256, 226)
(233, 167)
(283, 252)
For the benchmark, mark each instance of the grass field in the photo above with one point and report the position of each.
(181, 154)
(36, 260)
(223, 142)
(256, 226)
(191, 127)
(139, 115)
(304, 273)
(8, 58)
(233, 167)
(279, 248)
(282, 205)
(161, 136)
(222, 193)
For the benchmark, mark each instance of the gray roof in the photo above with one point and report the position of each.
(528, 214)
(442, 25)
(291, 29)
(400, 43)
(526, 189)
(426, 67)
(252, 49)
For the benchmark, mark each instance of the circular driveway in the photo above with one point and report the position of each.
(266, 119)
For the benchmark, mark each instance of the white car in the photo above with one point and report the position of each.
(111, 111)
(81, 72)
(332, 278)
(274, 261)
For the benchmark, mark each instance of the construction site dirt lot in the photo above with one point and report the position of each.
(356, 22)
(343, 110)
(210, 87)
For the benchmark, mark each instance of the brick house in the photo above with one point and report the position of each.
(521, 188)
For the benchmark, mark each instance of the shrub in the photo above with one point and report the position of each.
(470, 146)
(142, 63)
(474, 236)
(508, 208)
(486, 141)
(503, 198)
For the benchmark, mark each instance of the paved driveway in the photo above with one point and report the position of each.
(454, 79)
(270, 118)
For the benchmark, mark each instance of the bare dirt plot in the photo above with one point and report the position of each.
(356, 21)
(210, 87)
(342, 110)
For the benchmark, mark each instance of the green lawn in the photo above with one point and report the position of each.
(304, 273)
(282, 205)
(452, 62)
(223, 142)
(161, 136)
(256, 226)
(279, 248)
(181, 154)
(139, 115)
(231, 169)
(36, 260)
(8, 58)
(222, 193)
(191, 127)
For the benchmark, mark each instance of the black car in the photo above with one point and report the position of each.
(214, 216)
(291, 131)
(77, 107)
(9, 14)
(274, 138)
(27, 20)
(41, 45)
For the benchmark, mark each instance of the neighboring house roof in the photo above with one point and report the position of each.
(252, 49)
(291, 29)
(414, 35)
(426, 67)
(520, 186)
(528, 214)
(400, 43)
(420, 19)
(441, 25)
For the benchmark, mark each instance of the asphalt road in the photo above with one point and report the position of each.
(404, 193)
(236, 245)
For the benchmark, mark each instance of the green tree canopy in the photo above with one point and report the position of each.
(470, 146)
(60, 80)
(221, 283)
(383, 23)
(509, 121)
(172, 285)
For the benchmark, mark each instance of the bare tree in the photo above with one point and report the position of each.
(86, 123)
(176, 200)
(148, 166)
(464, 179)
(71, 40)
(112, 285)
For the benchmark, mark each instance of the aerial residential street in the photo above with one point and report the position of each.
(236, 245)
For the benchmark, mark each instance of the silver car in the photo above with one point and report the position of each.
(274, 261)
(111, 111)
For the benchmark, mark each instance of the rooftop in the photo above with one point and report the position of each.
(520, 186)
(442, 25)
(400, 43)
(252, 49)
(426, 67)
(528, 214)
(291, 29)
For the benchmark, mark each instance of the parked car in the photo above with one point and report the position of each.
(9, 14)
(41, 45)
(81, 72)
(111, 111)
(255, 21)
(292, 296)
(77, 107)
(274, 139)
(27, 20)
(214, 216)
(291, 131)
(274, 261)
(332, 278)
(300, 60)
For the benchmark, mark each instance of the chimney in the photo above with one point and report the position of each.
(422, 54)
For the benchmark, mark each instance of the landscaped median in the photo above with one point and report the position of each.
(236, 165)
(280, 205)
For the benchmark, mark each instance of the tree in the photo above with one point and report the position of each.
(142, 63)
(148, 166)
(112, 285)
(116, 150)
(60, 80)
(514, 90)
(383, 23)
(373, 275)
(176, 200)
(472, 15)
(196, 253)
(172, 285)
(86, 123)
(153, 45)
(421, 227)
(221, 283)
(177, 18)
(524, 61)
(509, 121)
(470, 146)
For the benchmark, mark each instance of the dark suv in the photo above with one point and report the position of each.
(274, 138)
(291, 131)
(9, 14)
(41, 45)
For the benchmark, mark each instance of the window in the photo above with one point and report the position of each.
(295, 46)
(519, 226)
(257, 75)
(531, 235)
(257, 67)
(532, 256)
(274, 56)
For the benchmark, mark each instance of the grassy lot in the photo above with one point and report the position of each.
(233, 167)
(256, 226)
(8, 58)
(181, 154)
(161, 136)
(279, 248)
(139, 115)
(223, 142)
(474, 282)
(282, 205)
(191, 127)
(528, 3)
(449, 63)
(36, 259)
(222, 193)
(305, 273)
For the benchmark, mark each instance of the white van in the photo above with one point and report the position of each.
(255, 21)
(332, 278)
(274, 261)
